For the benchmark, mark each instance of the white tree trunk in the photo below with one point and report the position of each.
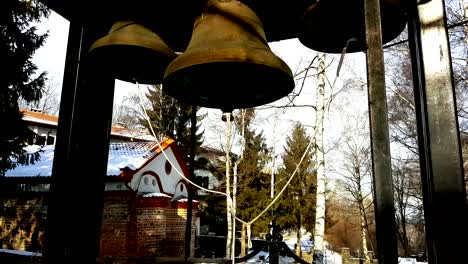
(364, 234)
(320, 113)
(234, 208)
(228, 186)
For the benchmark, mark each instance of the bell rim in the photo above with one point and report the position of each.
(193, 85)
(229, 55)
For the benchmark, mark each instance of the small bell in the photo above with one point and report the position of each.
(133, 53)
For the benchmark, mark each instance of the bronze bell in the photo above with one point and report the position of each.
(228, 63)
(327, 25)
(133, 52)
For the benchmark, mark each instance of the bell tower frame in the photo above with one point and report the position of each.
(82, 108)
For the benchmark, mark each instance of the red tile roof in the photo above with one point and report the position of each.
(46, 119)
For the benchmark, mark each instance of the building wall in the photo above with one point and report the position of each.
(22, 221)
(132, 226)
(176, 219)
(47, 134)
(159, 167)
(115, 229)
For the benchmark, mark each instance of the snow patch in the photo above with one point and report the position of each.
(163, 195)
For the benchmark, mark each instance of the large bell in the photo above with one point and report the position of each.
(133, 53)
(228, 63)
(327, 25)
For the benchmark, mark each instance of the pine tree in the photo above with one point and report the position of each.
(170, 117)
(296, 208)
(253, 189)
(18, 42)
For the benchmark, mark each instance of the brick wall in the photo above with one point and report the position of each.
(150, 216)
(22, 221)
(115, 228)
(131, 226)
(144, 226)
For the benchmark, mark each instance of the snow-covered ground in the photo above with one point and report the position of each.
(20, 252)
(332, 257)
(409, 261)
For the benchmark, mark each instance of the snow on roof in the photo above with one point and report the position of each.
(163, 195)
(42, 167)
(141, 134)
(185, 200)
(130, 155)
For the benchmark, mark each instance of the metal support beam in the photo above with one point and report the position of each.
(81, 152)
(191, 189)
(381, 159)
(445, 205)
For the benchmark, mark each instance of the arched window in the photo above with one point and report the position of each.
(168, 167)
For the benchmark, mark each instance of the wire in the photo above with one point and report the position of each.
(229, 200)
(165, 155)
(287, 183)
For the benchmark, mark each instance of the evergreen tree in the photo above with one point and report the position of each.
(296, 208)
(253, 190)
(170, 117)
(18, 42)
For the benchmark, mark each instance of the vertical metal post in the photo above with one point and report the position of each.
(273, 248)
(445, 206)
(80, 159)
(381, 159)
(55, 249)
(190, 191)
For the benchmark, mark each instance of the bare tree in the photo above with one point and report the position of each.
(356, 171)
(49, 103)
(408, 203)
(129, 112)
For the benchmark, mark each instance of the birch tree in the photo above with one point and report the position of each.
(320, 159)
(229, 204)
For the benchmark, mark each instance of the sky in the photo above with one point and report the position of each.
(274, 123)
